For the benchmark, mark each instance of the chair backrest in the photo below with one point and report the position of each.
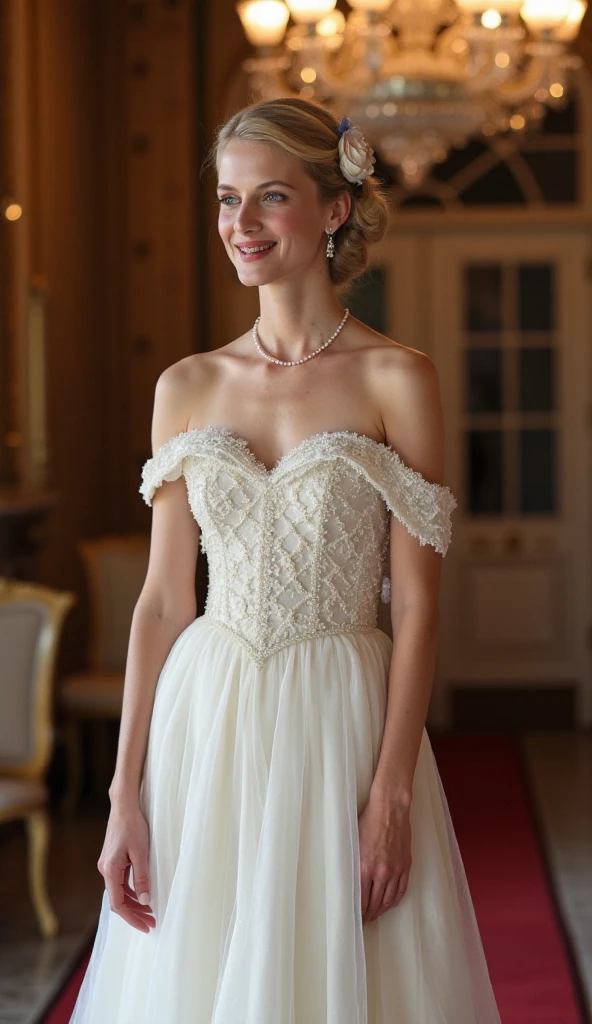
(31, 619)
(116, 569)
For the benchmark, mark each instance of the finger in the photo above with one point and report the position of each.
(366, 882)
(375, 898)
(133, 919)
(115, 879)
(115, 882)
(140, 912)
(125, 911)
(141, 884)
(402, 886)
(139, 908)
(390, 893)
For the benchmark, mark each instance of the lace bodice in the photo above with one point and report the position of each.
(297, 551)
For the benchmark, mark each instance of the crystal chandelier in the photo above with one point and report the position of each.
(417, 76)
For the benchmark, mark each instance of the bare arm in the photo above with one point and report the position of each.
(414, 427)
(166, 605)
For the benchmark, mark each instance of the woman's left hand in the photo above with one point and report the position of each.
(385, 855)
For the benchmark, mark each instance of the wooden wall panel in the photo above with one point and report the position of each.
(68, 250)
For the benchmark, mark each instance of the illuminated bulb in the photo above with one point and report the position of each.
(503, 6)
(502, 59)
(303, 11)
(491, 18)
(556, 90)
(569, 28)
(331, 25)
(517, 122)
(370, 5)
(543, 15)
(308, 75)
(264, 21)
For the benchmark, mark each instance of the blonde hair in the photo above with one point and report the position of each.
(308, 131)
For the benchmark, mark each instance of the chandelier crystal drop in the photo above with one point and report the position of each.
(417, 76)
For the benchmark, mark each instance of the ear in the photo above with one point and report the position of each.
(341, 209)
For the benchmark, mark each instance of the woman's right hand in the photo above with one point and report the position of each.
(126, 844)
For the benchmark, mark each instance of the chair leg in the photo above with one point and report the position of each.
(74, 766)
(38, 830)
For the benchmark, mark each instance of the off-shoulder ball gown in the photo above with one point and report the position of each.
(264, 738)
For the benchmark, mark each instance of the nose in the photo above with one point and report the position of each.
(247, 218)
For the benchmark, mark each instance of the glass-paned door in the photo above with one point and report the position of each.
(510, 373)
(510, 339)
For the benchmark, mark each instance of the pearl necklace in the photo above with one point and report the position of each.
(294, 362)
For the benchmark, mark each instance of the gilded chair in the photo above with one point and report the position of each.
(115, 569)
(31, 619)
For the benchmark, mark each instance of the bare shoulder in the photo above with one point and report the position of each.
(177, 390)
(406, 388)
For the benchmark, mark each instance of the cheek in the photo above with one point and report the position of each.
(224, 224)
(294, 224)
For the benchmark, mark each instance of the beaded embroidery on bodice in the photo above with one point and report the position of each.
(297, 551)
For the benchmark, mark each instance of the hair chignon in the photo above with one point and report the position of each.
(309, 131)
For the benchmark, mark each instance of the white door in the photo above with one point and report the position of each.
(507, 319)
(510, 333)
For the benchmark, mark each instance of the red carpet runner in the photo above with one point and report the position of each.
(528, 957)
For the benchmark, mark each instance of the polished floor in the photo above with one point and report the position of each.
(560, 772)
(559, 766)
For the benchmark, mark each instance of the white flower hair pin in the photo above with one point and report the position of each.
(356, 155)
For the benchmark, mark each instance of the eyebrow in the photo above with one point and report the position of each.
(265, 184)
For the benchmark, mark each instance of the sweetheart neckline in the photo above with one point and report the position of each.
(242, 441)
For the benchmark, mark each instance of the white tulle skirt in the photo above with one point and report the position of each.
(253, 782)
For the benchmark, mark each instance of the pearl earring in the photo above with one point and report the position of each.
(330, 243)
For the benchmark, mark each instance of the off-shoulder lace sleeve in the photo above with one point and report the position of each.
(166, 464)
(425, 508)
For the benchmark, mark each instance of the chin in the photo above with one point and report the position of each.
(251, 280)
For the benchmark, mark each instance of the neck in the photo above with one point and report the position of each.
(291, 328)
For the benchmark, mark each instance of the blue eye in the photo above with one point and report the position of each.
(223, 199)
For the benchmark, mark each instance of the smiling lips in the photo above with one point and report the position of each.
(255, 247)
(255, 251)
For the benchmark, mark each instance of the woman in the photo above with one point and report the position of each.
(279, 848)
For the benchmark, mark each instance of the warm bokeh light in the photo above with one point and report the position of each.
(491, 18)
(264, 21)
(370, 5)
(517, 122)
(556, 90)
(543, 15)
(310, 10)
(13, 211)
(332, 24)
(503, 6)
(568, 29)
(502, 59)
(308, 75)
